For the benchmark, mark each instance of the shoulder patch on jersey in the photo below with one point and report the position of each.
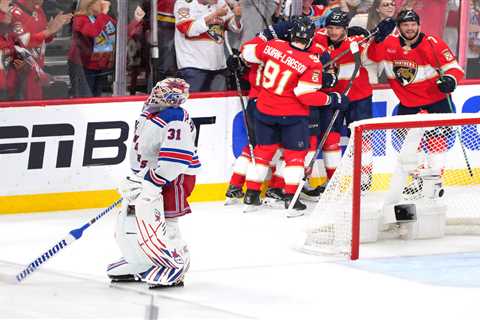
(184, 12)
(448, 55)
(314, 58)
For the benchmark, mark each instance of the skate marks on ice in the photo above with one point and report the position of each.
(460, 270)
(58, 295)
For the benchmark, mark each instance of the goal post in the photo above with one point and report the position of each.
(407, 177)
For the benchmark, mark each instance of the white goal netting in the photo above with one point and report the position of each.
(430, 162)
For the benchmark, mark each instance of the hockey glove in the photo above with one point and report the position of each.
(338, 101)
(131, 187)
(235, 64)
(447, 83)
(324, 57)
(329, 80)
(357, 31)
(383, 29)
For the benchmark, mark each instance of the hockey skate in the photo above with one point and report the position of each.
(252, 201)
(314, 194)
(298, 208)
(233, 194)
(122, 271)
(274, 198)
(178, 284)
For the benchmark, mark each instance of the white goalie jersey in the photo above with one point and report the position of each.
(164, 143)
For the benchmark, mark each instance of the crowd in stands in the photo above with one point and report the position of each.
(66, 48)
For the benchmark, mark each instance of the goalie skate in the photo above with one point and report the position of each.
(177, 284)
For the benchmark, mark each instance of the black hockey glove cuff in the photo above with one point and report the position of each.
(447, 83)
(329, 80)
(338, 101)
(357, 31)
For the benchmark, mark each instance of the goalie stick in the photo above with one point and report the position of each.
(450, 105)
(242, 102)
(73, 235)
(356, 54)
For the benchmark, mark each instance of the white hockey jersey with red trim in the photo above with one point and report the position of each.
(164, 142)
(196, 44)
(413, 72)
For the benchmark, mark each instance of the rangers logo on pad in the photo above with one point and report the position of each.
(405, 71)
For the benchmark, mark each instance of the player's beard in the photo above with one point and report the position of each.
(411, 38)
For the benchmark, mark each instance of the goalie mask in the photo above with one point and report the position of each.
(169, 92)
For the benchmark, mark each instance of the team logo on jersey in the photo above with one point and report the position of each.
(405, 71)
(216, 32)
(183, 13)
(447, 55)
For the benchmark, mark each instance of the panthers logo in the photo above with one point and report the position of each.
(405, 71)
(216, 32)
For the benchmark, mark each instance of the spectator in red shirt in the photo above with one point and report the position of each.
(6, 52)
(91, 55)
(31, 32)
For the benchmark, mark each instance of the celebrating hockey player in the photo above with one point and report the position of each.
(422, 71)
(164, 162)
(291, 81)
(335, 38)
(277, 31)
(254, 72)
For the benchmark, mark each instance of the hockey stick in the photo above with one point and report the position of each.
(354, 48)
(73, 235)
(450, 105)
(242, 102)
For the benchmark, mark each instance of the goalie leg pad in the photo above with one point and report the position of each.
(134, 260)
(173, 260)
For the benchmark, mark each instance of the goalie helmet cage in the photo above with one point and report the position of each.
(377, 151)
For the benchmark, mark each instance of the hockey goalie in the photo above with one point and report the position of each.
(164, 162)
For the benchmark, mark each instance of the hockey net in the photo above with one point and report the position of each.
(430, 161)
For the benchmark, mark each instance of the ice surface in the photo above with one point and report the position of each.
(243, 267)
